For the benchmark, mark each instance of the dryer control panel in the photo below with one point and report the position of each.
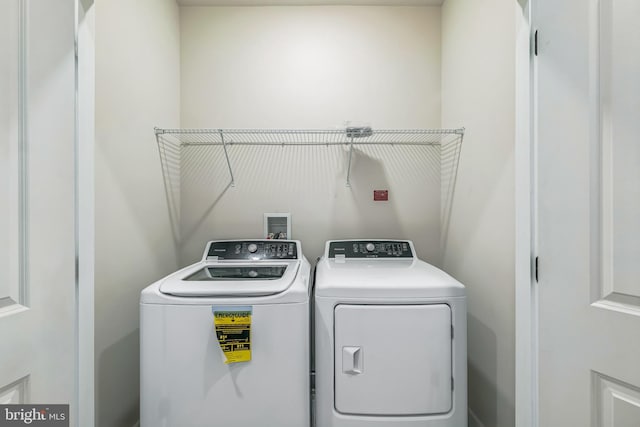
(370, 249)
(252, 250)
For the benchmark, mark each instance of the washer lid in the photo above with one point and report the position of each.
(232, 279)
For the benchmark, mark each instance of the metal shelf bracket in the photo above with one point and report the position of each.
(226, 155)
(349, 166)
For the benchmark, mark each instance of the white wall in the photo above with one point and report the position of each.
(478, 91)
(311, 67)
(137, 88)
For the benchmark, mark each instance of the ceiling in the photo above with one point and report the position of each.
(308, 2)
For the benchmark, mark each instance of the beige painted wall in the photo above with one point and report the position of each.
(311, 67)
(478, 90)
(137, 88)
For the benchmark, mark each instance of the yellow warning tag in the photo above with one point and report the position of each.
(233, 330)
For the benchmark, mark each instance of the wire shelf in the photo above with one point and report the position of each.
(172, 144)
(348, 136)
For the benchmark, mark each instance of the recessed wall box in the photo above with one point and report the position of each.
(277, 225)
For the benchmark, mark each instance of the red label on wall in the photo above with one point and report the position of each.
(380, 195)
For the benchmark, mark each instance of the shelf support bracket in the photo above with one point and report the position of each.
(349, 166)
(226, 155)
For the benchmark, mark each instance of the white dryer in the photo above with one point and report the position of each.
(184, 379)
(390, 339)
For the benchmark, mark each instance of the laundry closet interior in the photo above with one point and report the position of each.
(210, 114)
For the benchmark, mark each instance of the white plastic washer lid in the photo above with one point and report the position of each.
(177, 285)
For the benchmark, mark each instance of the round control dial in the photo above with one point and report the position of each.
(370, 247)
(252, 248)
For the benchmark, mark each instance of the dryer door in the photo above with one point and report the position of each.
(392, 359)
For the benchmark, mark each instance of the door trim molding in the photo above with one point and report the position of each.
(525, 285)
(84, 210)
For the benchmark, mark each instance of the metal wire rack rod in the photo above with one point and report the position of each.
(306, 144)
(349, 167)
(226, 155)
(307, 131)
(284, 137)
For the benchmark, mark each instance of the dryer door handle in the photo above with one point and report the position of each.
(352, 360)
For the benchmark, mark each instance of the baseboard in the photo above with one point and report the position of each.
(474, 421)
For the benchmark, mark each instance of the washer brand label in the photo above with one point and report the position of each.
(34, 415)
(233, 330)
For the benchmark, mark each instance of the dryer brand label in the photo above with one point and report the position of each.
(233, 330)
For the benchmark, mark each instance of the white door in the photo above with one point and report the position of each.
(588, 207)
(37, 248)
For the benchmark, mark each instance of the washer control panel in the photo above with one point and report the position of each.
(252, 250)
(370, 249)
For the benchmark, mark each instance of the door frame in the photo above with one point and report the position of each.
(84, 210)
(525, 193)
(526, 286)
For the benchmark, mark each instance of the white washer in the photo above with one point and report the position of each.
(390, 339)
(184, 379)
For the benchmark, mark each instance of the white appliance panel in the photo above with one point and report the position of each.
(393, 359)
(186, 383)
